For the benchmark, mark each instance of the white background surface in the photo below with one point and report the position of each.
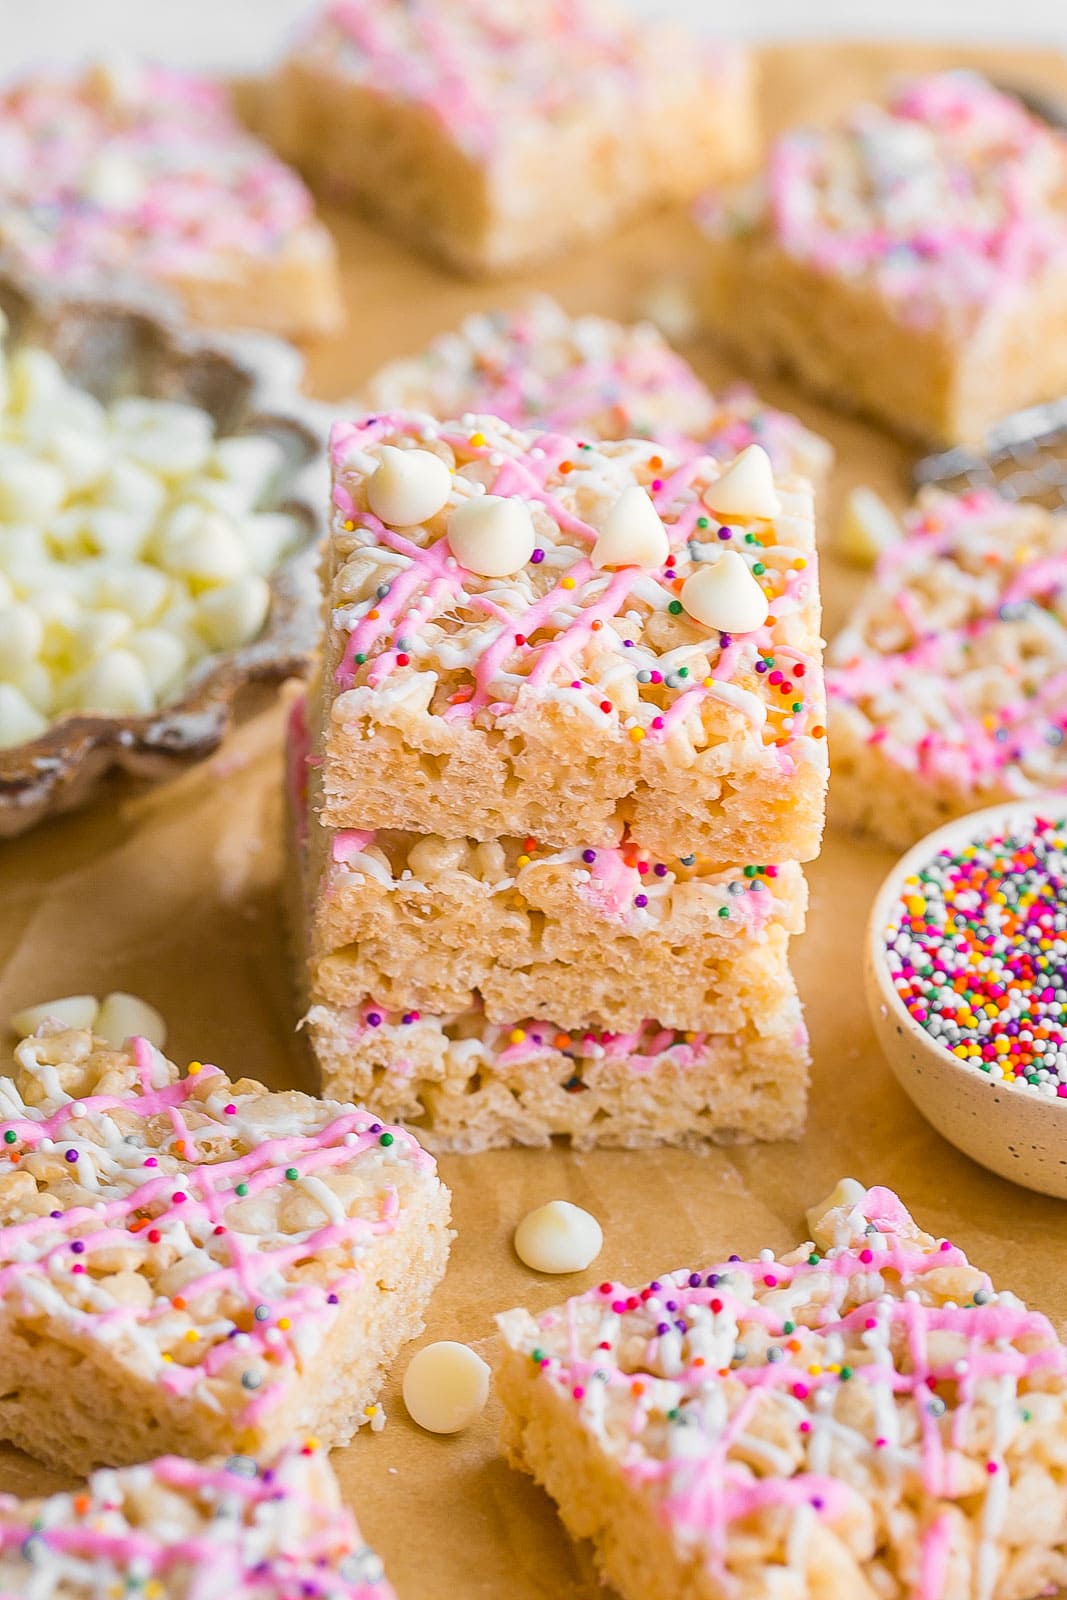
(247, 33)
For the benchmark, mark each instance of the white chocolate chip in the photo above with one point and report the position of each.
(267, 537)
(35, 682)
(94, 632)
(234, 613)
(35, 378)
(558, 1237)
(251, 463)
(218, 495)
(138, 589)
(846, 1193)
(169, 438)
(633, 534)
(429, 856)
(19, 720)
(129, 487)
(202, 545)
(725, 596)
(130, 545)
(491, 536)
(81, 458)
(116, 683)
(746, 488)
(114, 180)
(30, 490)
(867, 527)
(123, 1016)
(118, 534)
(446, 1386)
(408, 486)
(74, 1010)
(21, 637)
(162, 655)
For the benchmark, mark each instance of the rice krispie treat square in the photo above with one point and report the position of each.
(607, 937)
(946, 689)
(174, 1529)
(195, 1264)
(532, 635)
(470, 1084)
(495, 134)
(910, 261)
(593, 378)
(867, 1417)
(467, 1084)
(125, 174)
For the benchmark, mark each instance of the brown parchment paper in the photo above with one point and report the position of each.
(173, 893)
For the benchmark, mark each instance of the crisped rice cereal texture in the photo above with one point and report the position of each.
(868, 1416)
(946, 686)
(198, 1265)
(590, 937)
(567, 702)
(536, 367)
(468, 1085)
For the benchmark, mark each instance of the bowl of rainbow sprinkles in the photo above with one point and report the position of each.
(966, 979)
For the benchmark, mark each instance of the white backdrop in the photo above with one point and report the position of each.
(247, 33)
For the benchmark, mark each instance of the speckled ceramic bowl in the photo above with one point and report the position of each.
(1014, 1132)
(249, 384)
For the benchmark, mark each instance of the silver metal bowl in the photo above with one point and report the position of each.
(249, 384)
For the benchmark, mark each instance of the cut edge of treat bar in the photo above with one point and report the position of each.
(464, 1086)
(399, 161)
(764, 1520)
(124, 1406)
(394, 760)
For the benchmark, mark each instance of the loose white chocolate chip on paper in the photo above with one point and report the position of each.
(123, 1016)
(726, 596)
(867, 528)
(746, 488)
(633, 534)
(558, 1237)
(491, 535)
(446, 1387)
(846, 1192)
(74, 1010)
(408, 486)
(119, 1017)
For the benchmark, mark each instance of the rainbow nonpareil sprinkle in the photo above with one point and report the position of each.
(977, 951)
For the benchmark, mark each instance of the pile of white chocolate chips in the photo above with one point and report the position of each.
(131, 546)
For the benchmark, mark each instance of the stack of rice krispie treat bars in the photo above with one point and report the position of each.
(564, 753)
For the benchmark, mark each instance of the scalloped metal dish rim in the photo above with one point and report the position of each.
(58, 770)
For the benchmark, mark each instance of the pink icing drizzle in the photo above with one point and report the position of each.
(202, 189)
(485, 70)
(943, 227)
(40, 1247)
(429, 573)
(967, 750)
(283, 1539)
(701, 1495)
